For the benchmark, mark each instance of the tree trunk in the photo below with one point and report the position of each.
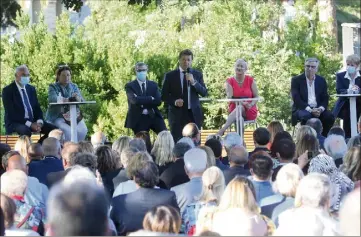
(327, 16)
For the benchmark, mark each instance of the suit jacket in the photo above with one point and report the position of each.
(172, 90)
(128, 210)
(174, 175)
(300, 94)
(188, 192)
(41, 169)
(55, 177)
(136, 104)
(342, 85)
(230, 173)
(14, 107)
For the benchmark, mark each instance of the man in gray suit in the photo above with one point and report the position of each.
(195, 163)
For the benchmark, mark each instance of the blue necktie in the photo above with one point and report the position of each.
(28, 106)
(143, 89)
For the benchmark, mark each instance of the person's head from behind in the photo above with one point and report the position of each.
(179, 150)
(121, 143)
(68, 149)
(35, 152)
(98, 139)
(22, 145)
(146, 137)
(261, 137)
(314, 191)
(186, 140)
(52, 147)
(9, 210)
(308, 143)
(191, 130)
(279, 136)
(127, 155)
(352, 164)
(12, 160)
(215, 136)
(141, 171)
(285, 150)
(287, 179)
(85, 159)
(216, 147)
(211, 159)
(163, 148)
(14, 183)
(86, 146)
(335, 146)
(273, 128)
(77, 208)
(354, 141)
(138, 144)
(58, 134)
(261, 167)
(336, 130)
(213, 185)
(238, 156)
(303, 130)
(107, 159)
(232, 139)
(195, 162)
(316, 124)
(350, 214)
(162, 219)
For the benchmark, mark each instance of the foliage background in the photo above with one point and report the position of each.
(103, 51)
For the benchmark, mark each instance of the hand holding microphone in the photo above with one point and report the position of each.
(189, 77)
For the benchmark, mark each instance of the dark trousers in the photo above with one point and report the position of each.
(146, 123)
(326, 118)
(22, 129)
(345, 112)
(176, 127)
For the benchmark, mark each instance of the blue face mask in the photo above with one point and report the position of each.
(141, 76)
(24, 80)
(351, 69)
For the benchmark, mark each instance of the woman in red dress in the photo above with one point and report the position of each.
(241, 86)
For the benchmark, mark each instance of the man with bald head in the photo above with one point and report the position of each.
(23, 114)
(51, 162)
(191, 130)
(36, 193)
(238, 157)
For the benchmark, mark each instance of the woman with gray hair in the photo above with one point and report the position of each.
(162, 151)
(120, 144)
(336, 147)
(341, 184)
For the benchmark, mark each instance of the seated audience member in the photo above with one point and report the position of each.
(77, 207)
(187, 140)
(309, 145)
(120, 144)
(274, 128)
(36, 193)
(354, 141)
(8, 208)
(286, 184)
(285, 152)
(131, 168)
(67, 152)
(211, 159)
(139, 202)
(352, 165)
(316, 124)
(138, 144)
(13, 185)
(191, 130)
(125, 157)
(195, 163)
(175, 174)
(310, 216)
(51, 162)
(350, 214)
(85, 159)
(58, 134)
(279, 136)
(303, 131)
(324, 164)
(86, 146)
(98, 139)
(215, 136)
(109, 166)
(162, 219)
(238, 158)
(216, 147)
(213, 186)
(162, 150)
(237, 213)
(261, 138)
(261, 171)
(336, 147)
(35, 152)
(22, 145)
(23, 114)
(146, 138)
(4, 148)
(336, 130)
(230, 140)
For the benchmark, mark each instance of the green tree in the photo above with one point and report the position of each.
(8, 10)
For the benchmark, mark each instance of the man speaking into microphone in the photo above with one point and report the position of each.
(180, 92)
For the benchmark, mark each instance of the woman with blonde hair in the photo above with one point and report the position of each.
(162, 219)
(303, 130)
(273, 128)
(352, 164)
(213, 185)
(162, 151)
(22, 145)
(211, 159)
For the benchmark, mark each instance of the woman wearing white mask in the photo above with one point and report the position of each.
(348, 82)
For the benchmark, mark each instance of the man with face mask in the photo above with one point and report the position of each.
(23, 114)
(310, 96)
(143, 101)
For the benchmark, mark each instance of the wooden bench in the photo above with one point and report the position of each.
(11, 139)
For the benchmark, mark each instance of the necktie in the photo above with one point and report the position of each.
(27, 104)
(143, 88)
(184, 81)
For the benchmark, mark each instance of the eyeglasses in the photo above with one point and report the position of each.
(310, 66)
(240, 69)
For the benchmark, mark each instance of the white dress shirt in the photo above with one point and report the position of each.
(312, 102)
(26, 115)
(145, 111)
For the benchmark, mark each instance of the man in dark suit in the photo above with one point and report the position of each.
(238, 157)
(128, 210)
(310, 96)
(143, 101)
(180, 92)
(23, 114)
